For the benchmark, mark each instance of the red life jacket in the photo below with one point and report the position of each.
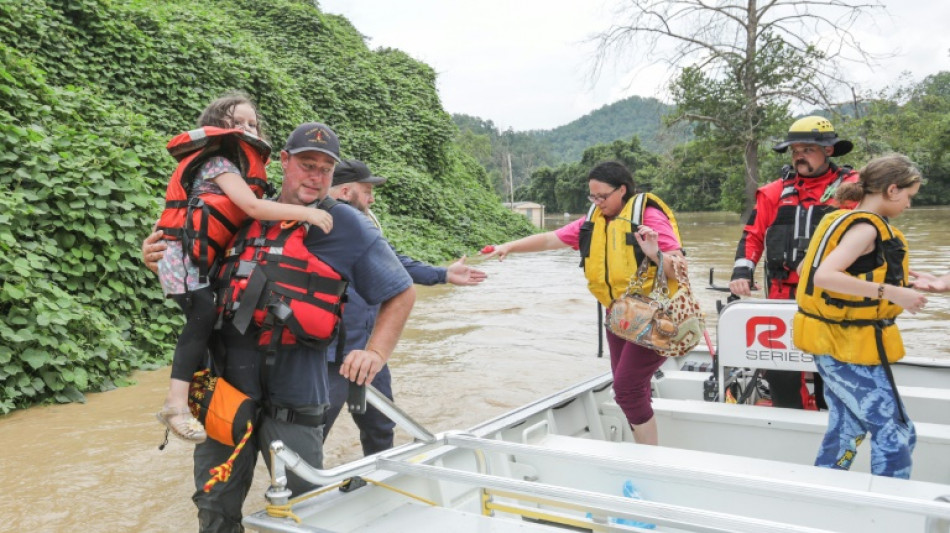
(271, 278)
(207, 223)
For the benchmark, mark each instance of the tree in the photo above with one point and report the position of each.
(914, 120)
(743, 63)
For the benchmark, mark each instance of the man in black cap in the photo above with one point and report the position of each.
(353, 183)
(786, 213)
(293, 391)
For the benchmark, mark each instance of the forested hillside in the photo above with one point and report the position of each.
(90, 91)
(534, 149)
(631, 116)
(706, 173)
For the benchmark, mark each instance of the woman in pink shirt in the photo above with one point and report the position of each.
(608, 267)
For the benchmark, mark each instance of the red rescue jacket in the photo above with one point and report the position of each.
(787, 211)
(271, 278)
(206, 223)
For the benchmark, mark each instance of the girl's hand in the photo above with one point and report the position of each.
(321, 219)
(649, 242)
(153, 248)
(908, 298)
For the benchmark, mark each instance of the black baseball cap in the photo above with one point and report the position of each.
(354, 171)
(313, 137)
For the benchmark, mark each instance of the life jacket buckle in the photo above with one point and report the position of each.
(281, 311)
(245, 268)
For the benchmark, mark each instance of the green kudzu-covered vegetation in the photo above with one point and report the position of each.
(90, 92)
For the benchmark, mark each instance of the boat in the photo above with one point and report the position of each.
(568, 462)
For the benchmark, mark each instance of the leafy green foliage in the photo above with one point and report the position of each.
(90, 91)
(913, 120)
(75, 303)
(564, 188)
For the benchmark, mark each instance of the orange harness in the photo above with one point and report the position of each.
(227, 414)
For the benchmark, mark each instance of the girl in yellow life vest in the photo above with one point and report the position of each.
(853, 285)
(613, 238)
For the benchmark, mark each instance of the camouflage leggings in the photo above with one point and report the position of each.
(860, 400)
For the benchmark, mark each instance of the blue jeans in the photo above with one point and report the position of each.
(861, 400)
(376, 429)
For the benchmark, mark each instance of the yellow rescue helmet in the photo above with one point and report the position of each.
(814, 130)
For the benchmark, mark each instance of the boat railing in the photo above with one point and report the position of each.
(515, 491)
(599, 505)
(937, 509)
(283, 458)
(418, 458)
(700, 520)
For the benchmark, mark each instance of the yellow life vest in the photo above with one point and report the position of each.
(852, 329)
(610, 254)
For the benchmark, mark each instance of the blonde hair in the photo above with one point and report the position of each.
(879, 174)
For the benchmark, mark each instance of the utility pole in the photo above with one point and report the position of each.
(511, 183)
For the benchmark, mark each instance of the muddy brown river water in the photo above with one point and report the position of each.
(468, 354)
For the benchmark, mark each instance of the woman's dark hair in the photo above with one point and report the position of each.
(614, 173)
(220, 112)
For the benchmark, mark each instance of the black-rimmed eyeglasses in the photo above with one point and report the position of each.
(597, 198)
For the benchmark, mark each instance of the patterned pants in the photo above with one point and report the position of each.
(860, 400)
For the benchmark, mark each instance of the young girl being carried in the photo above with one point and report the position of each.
(216, 186)
(854, 283)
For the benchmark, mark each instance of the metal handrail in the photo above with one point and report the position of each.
(283, 457)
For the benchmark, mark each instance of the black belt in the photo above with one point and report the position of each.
(316, 417)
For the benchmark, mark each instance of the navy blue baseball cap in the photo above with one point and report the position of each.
(314, 137)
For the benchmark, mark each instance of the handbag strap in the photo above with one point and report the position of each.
(640, 276)
(681, 272)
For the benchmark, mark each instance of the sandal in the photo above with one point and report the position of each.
(180, 422)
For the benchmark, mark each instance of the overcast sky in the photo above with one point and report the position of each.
(526, 64)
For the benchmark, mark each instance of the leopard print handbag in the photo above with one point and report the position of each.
(643, 319)
(669, 325)
(684, 311)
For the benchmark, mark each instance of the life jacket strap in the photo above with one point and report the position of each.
(841, 303)
(252, 295)
(308, 282)
(880, 323)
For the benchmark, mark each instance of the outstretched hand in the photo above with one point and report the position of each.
(924, 281)
(458, 273)
(496, 250)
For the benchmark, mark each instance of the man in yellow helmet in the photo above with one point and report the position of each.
(786, 212)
